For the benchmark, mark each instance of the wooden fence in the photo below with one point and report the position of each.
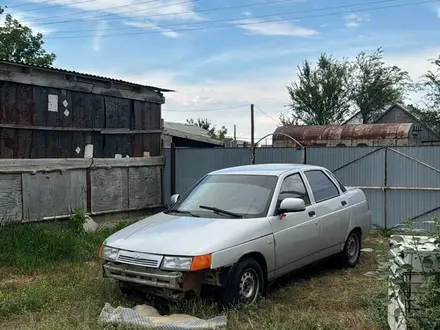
(40, 189)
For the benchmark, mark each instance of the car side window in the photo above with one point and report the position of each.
(322, 187)
(293, 187)
(341, 186)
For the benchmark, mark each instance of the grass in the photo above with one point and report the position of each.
(47, 285)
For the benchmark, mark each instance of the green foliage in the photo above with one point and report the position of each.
(77, 221)
(431, 84)
(375, 85)
(321, 95)
(19, 44)
(33, 246)
(424, 306)
(329, 92)
(213, 132)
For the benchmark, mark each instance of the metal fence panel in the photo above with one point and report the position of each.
(353, 166)
(376, 202)
(192, 164)
(277, 155)
(416, 168)
(419, 169)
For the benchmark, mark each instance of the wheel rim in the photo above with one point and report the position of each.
(249, 286)
(352, 249)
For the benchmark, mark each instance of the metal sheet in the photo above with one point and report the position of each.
(310, 135)
(192, 164)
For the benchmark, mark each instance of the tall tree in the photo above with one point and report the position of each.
(19, 44)
(213, 132)
(429, 85)
(375, 85)
(320, 96)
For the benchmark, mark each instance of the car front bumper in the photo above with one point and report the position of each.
(144, 276)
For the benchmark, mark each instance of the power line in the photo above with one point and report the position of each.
(245, 24)
(54, 5)
(208, 110)
(269, 116)
(226, 20)
(105, 9)
(164, 14)
(30, 4)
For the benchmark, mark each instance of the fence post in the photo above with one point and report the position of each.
(173, 169)
(385, 184)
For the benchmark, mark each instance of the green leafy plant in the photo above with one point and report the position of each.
(421, 301)
(77, 221)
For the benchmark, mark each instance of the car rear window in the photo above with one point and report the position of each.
(322, 187)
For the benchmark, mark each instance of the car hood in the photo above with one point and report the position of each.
(167, 234)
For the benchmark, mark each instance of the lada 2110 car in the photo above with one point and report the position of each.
(238, 229)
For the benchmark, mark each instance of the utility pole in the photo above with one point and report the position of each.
(252, 135)
(235, 135)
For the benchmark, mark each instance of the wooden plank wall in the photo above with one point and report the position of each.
(34, 189)
(79, 118)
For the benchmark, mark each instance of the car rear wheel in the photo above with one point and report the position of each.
(246, 283)
(352, 249)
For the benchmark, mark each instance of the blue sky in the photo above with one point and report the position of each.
(228, 54)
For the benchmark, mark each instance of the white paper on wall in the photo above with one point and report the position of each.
(52, 103)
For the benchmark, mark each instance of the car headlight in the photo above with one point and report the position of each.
(177, 263)
(108, 252)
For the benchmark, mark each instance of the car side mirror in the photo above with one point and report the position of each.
(292, 205)
(174, 199)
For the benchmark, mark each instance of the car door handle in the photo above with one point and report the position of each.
(344, 203)
(312, 213)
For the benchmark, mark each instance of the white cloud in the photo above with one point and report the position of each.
(130, 11)
(102, 25)
(354, 20)
(27, 20)
(256, 26)
(266, 88)
(156, 10)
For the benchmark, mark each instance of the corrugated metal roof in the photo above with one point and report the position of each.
(189, 131)
(87, 75)
(309, 133)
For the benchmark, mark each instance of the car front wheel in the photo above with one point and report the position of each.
(245, 284)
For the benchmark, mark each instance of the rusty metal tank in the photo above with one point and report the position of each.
(346, 135)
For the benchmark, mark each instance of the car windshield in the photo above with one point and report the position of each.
(229, 196)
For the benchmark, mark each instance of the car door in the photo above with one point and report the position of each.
(296, 234)
(330, 210)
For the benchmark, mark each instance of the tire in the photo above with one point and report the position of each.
(245, 284)
(352, 249)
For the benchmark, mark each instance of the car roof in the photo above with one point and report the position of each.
(264, 169)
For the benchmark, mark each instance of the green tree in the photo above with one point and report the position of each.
(321, 94)
(213, 132)
(375, 85)
(19, 44)
(429, 85)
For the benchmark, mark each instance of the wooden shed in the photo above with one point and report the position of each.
(55, 113)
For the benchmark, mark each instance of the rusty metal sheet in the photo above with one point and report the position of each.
(315, 134)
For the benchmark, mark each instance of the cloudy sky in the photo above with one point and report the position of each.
(221, 56)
